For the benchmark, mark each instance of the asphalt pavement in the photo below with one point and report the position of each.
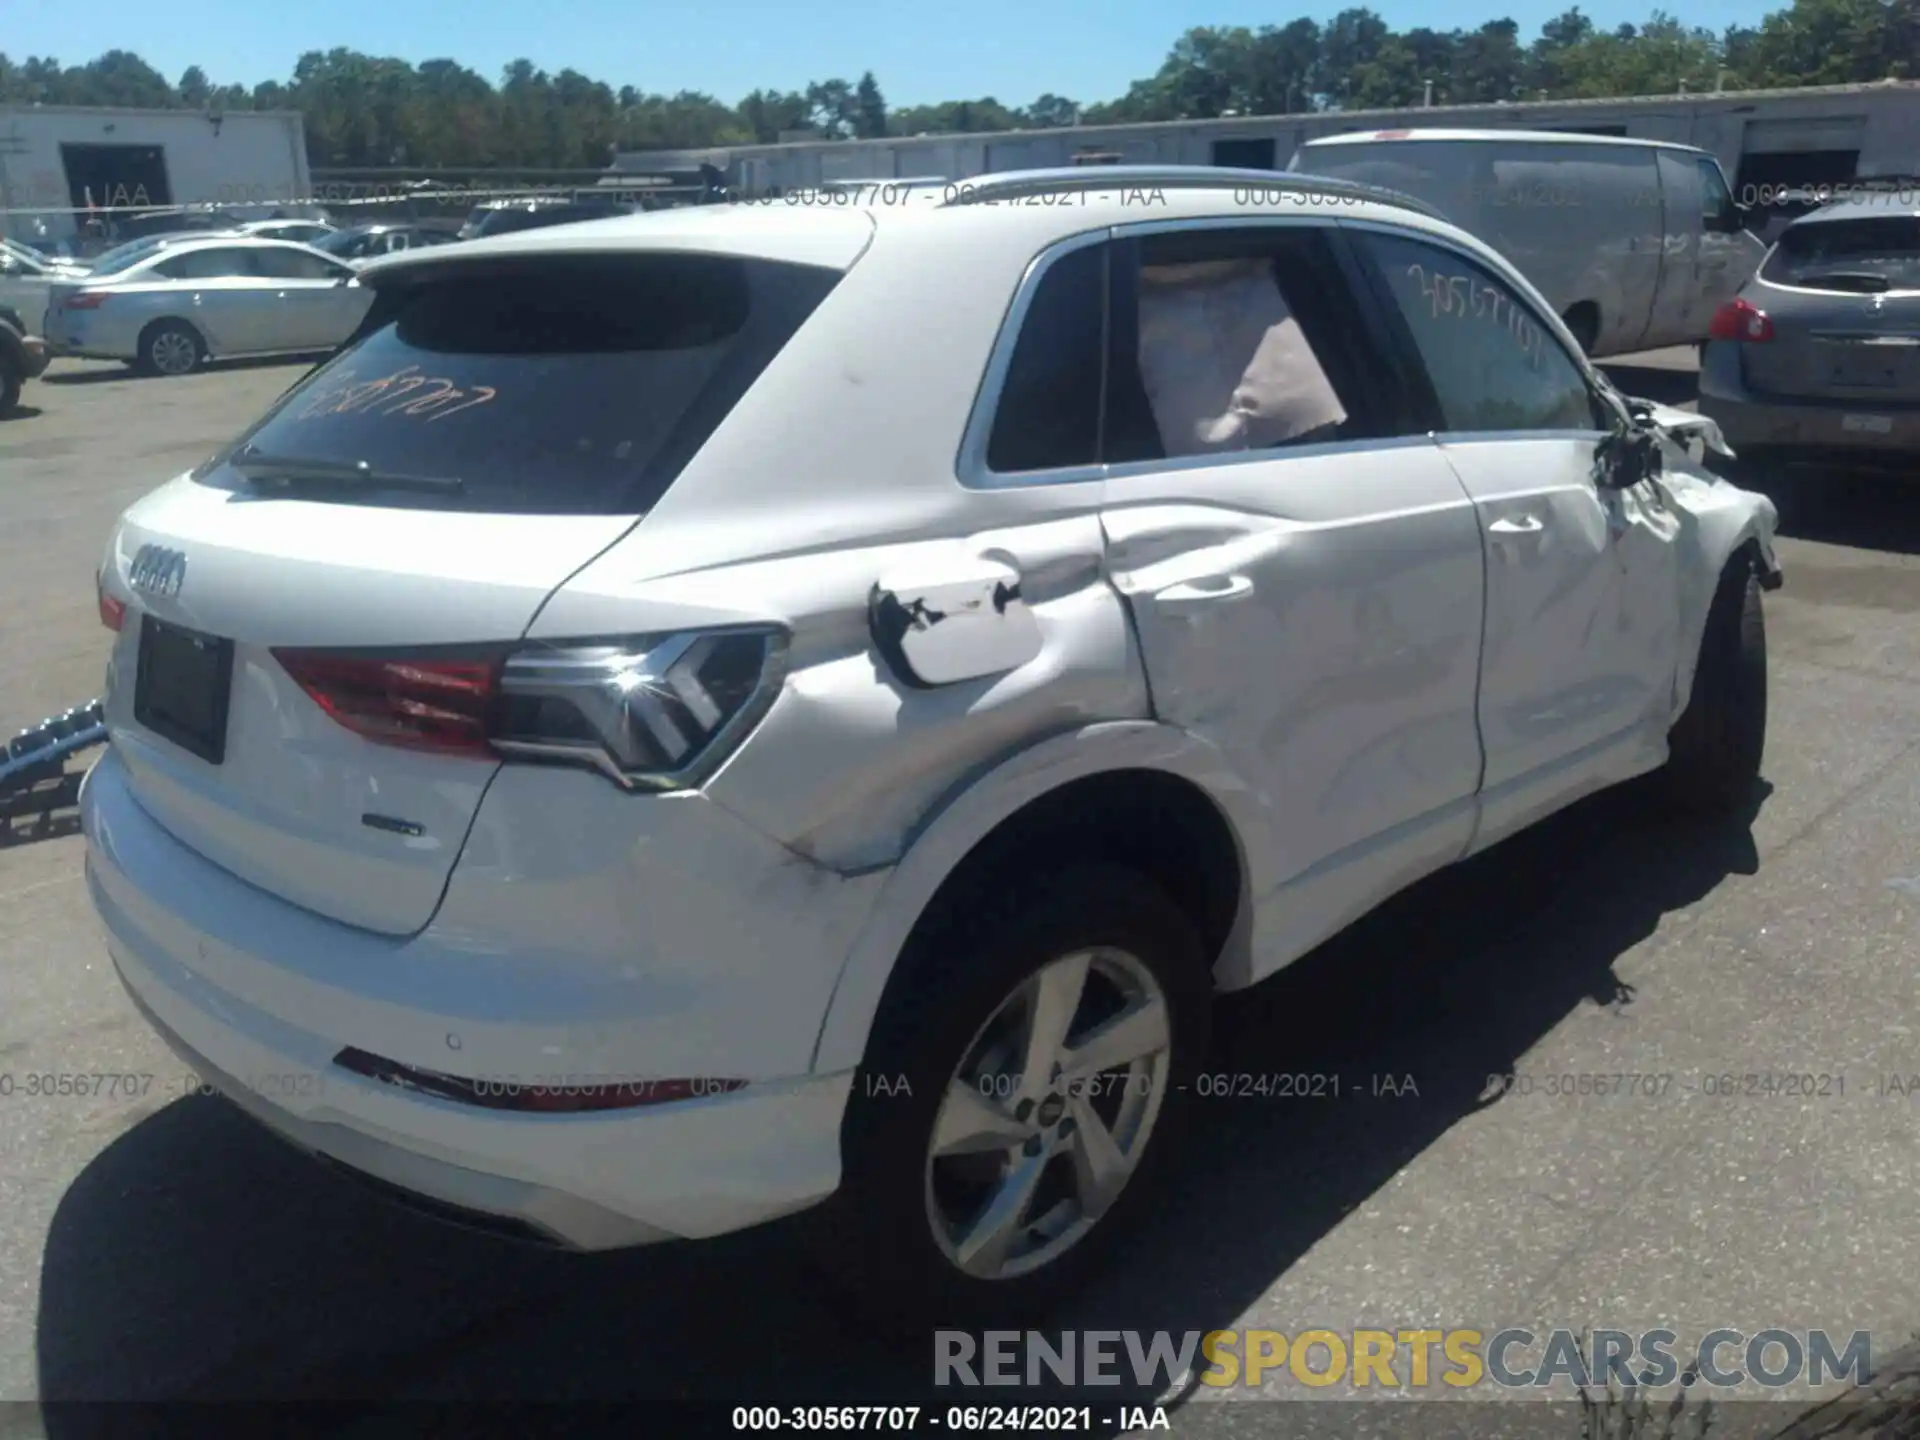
(159, 1246)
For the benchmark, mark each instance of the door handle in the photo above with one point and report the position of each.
(1514, 528)
(1210, 588)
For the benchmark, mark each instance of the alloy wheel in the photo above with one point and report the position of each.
(173, 353)
(1048, 1114)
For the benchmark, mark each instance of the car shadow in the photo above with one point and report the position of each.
(198, 1258)
(110, 374)
(21, 412)
(1857, 509)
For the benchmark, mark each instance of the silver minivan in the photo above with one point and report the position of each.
(1635, 242)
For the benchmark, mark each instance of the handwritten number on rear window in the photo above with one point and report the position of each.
(403, 392)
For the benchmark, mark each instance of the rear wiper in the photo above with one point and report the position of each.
(262, 468)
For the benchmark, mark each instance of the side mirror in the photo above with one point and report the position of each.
(1629, 455)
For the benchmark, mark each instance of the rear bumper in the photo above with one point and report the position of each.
(1855, 431)
(197, 950)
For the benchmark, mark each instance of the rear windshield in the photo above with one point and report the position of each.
(125, 257)
(558, 386)
(1875, 252)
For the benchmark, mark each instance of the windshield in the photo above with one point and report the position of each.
(1884, 246)
(340, 242)
(576, 386)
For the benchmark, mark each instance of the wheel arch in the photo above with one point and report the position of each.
(1215, 844)
(1723, 537)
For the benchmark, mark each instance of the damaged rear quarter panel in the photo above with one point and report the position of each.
(853, 756)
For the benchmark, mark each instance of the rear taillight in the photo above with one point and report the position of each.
(654, 712)
(113, 612)
(658, 712)
(85, 300)
(1741, 321)
(438, 703)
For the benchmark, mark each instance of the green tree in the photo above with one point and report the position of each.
(869, 109)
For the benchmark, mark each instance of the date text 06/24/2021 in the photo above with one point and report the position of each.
(919, 1419)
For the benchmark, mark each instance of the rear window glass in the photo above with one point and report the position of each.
(1849, 254)
(562, 386)
(125, 257)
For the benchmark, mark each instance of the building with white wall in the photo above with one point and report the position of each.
(1761, 137)
(57, 160)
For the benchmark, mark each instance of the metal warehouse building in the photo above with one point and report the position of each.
(1762, 137)
(59, 159)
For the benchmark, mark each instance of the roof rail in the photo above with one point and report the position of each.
(1013, 184)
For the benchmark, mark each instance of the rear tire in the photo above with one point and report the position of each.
(1715, 748)
(170, 347)
(905, 1233)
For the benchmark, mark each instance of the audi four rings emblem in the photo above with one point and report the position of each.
(157, 570)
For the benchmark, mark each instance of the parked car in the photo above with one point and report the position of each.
(301, 232)
(34, 254)
(26, 281)
(708, 752)
(148, 223)
(504, 217)
(167, 309)
(1635, 243)
(368, 242)
(1817, 360)
(23, 355)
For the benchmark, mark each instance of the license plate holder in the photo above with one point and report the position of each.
(183, 687)
(1865, 367)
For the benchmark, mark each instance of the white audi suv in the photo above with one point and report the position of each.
(693, 716)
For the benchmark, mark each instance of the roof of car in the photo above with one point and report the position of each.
(1043, 205)
(229, 240)
(1863, 207)
(1530, 137)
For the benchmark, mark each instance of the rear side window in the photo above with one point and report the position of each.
(1878, 252)
(297, 265)
(1049, 412)
(209, 265)
(1492, 365)
(556, 386)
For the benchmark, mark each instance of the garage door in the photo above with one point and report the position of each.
(1794, 137)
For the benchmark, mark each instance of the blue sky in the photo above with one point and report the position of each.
(1012, 50)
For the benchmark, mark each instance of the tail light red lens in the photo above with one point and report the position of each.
(1741, 321)
(656, 712)
(438, 704)
(113, 612)
(86, 300)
